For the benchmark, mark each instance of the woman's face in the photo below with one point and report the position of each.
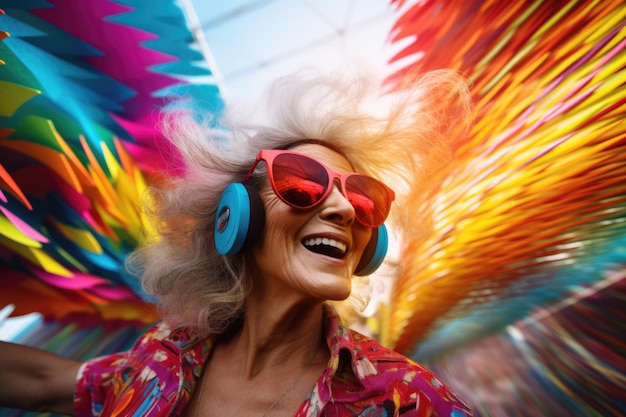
(289, 259)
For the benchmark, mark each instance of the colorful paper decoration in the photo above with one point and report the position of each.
(531, 214)
(81, 84)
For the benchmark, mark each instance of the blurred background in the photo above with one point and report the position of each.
(517, 297)
(254, 42)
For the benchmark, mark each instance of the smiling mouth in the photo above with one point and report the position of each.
(325, 246)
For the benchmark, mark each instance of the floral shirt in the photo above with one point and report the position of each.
(362, 378)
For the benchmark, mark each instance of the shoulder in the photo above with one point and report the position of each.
(157, 343)
(377, 361)
(155, 366)
(149, 347)
(396, 379)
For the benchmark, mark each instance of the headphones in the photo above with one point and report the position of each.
(240, 220)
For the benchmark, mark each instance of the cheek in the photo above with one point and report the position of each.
(280, 223)
(277, 252)
(273, 236)
(362, 237)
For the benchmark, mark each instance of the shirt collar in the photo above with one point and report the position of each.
(345, 361)
(346, 364)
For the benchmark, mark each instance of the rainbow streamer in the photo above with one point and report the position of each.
(81, 83)
(534, 208)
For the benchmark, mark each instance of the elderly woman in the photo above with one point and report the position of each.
(271, 226)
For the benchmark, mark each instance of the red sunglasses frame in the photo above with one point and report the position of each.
(268, 156)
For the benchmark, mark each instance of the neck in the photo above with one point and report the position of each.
(278, 336)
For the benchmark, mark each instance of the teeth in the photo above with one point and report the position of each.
(325, 241)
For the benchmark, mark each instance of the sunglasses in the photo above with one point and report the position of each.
(303, 183)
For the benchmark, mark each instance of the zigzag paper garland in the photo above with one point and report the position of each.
(81, 86)
(532, 213)
(536, 204)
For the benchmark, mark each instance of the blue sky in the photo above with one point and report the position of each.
(254, 41)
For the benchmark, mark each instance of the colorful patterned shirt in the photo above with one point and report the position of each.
(157, 376)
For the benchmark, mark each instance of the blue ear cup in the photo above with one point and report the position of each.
(240, 219)
(374, 252)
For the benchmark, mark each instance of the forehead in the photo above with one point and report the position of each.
(327, 156)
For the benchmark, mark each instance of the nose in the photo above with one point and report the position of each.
(337, 208)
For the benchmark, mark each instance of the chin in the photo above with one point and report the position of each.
(330, 286)
(338, 294)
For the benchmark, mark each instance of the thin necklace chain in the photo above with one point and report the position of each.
(290, 387)
(280, 397)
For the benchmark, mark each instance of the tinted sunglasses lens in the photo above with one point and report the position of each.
(369, 198)
(298, 180)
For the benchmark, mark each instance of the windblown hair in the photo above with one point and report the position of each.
(403, 137)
